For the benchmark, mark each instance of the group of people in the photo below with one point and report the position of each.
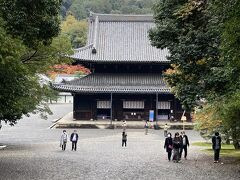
(73, 139)
(176, 145)
(179, 143)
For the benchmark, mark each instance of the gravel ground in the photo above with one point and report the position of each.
(33, 152)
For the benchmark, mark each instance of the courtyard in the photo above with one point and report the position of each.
(33, 152)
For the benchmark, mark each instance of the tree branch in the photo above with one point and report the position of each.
(30, 57)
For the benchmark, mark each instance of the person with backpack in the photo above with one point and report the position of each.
(168, 145)
(216, 146)
(124, 138)
(63, 140)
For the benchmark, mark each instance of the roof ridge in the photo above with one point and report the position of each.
(121, 17)
(100, 14)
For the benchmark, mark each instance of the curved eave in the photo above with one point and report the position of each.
(117, 90)
(119, 61)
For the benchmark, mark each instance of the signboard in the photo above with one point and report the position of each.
(151, 115)
(183, 118)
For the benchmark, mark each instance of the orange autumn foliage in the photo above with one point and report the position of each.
(67, 69)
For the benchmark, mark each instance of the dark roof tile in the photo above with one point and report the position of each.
(120, 38)
(116, 83)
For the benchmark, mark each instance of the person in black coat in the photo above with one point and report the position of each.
(168, 145)
(216, 146)
(184, 145)
(124, 138)
(177, 141)
(74, 139)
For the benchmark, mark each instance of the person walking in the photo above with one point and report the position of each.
(168, 145)
(181, 145)
(63, 140)
(165, 129)
(146, 127)
(185, 144)
(124, 139)
(74, 139)
(216, 146)
(176, 147)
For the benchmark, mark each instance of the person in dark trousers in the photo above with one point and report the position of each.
(124, 138)
(216, 145)
(184, 145)
(168, 145)
(74, 139)
(176, 147)
(181, 146)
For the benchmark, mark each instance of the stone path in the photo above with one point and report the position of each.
(33, 152)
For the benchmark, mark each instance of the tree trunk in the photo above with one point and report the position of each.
(235, 138)
(227, 140)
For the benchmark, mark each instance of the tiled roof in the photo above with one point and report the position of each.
(116, 83)
(120, 38)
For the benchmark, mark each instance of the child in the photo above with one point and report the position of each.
(124, 139)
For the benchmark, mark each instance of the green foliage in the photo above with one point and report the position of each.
(66, 4)
(229, 111)
(29, 19)
(182, 28)
(28, 47)
(203, 40)
(80, 8)
(75, 30)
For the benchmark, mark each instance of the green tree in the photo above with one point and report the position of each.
(182, 27)
(203, 40)
(28, 20)
(25, 52)
(76, 30)
(66, 4)
(80, 8)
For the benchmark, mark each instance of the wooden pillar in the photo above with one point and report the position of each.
(111, 113)
(156, 107)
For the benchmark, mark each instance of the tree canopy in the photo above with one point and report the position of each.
(28, 20)
(76, 30)
(29, 45)
(80, 8)
(203, 40)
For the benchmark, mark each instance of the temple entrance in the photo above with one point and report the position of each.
(133, 114)
(163, 110)
(133, 110)
(103, 109)
(163, 114)
(103, 114)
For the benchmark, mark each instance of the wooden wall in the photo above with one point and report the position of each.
(85, 105)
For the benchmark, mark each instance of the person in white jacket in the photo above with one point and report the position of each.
(63, 140)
